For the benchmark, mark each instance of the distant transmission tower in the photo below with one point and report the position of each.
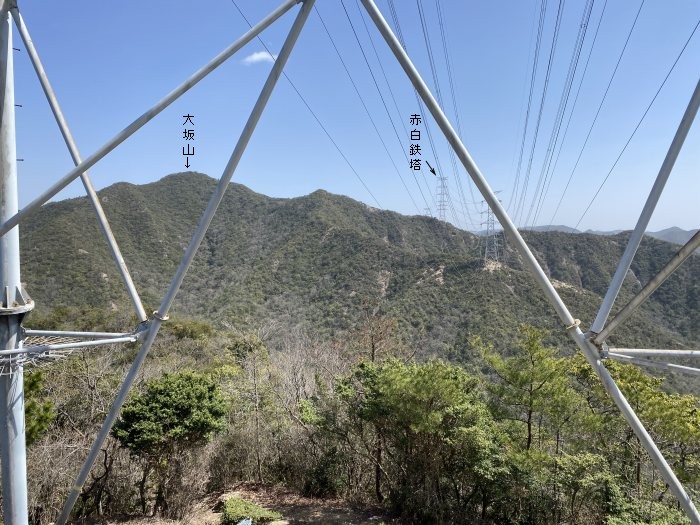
(442, 197)
(492, 249)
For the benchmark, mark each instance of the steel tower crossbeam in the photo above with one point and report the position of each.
(639, 230)
(589, 350)
(643, 352)
(75, 154)
(678, 259)
(196, 240)
(62, 346)
(623, 358)
(137, 124)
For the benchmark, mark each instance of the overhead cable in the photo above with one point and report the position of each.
(364, 105)
(438, 92)
(391, 93)
(381, 97)
(313, 114)
(455, 106)
(578, 92)
(639, 123)
(540, 192)
(533, 74)
(555, 37)
(419, 101)
(600, 106)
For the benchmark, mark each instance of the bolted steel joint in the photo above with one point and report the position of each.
(7, 5)
(601, 347)
(161, 318)
(21, 303)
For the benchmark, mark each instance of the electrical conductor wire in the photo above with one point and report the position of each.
(318, 121)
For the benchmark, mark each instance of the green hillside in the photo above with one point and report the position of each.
(315, 368)
(322, 261)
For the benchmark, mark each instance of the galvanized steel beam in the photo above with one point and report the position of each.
(34, 349)
(12, 434)
(589, 350)
(654, 364)
(642, 352)
(638, 232)
(190, 252)
(137, 124)
(66, 333)
(686, 251)
(75, 154)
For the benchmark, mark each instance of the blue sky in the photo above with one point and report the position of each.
(109, 62)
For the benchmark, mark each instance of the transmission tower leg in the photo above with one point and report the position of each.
(589, 350)
(137, 124)
(87, 182)
(638, 232)
(12, 441)
(188, 257)
(686, 251)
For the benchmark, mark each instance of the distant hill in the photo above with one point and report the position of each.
(674, 235)
(601, 232)
(553, 228)
(322, 262)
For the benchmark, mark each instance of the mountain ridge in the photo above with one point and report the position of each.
(322, 261)
(673, 234)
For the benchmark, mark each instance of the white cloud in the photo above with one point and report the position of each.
(259, 56)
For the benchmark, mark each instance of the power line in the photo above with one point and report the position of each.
(533, 75)
(443, 34)
(419, 101)
(381, 96)
(391, 94)
(538, 197)
(552, 49)
(438, 92)
(639, 123)
(578, 92)
(600, 106)
(440, 190)
(313, 114)
(443, 201)
(369, 115)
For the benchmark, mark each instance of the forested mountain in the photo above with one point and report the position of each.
(322, 261)
(348, 352)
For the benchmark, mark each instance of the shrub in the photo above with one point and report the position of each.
(176, 414)
(177, 411)
(192, 329)
(325, 477)
(237, 509)
(38, 410)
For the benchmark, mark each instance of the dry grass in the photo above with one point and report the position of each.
(296, 509)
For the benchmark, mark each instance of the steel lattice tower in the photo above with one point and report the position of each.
(15, 304)
(491, 247)
(442, 197)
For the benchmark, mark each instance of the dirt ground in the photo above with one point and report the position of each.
(295, 509)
